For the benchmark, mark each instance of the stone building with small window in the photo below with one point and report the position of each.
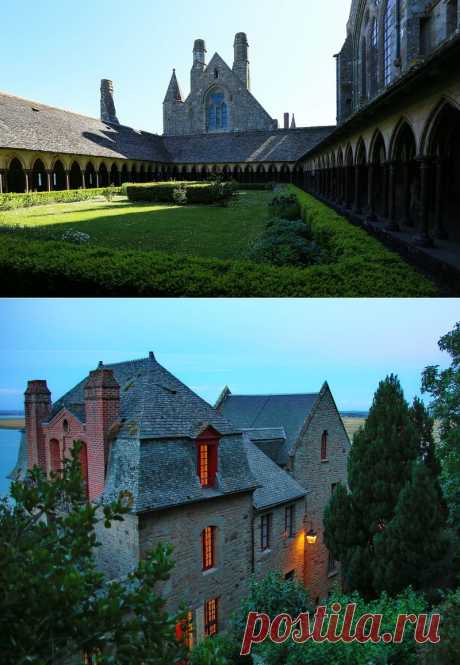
(238, 489)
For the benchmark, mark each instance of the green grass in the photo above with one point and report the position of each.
(211, 231)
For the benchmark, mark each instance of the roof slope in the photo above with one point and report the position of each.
(272, 411)
(30, 125)
(153, 402)
(237, 147)
(277, 486)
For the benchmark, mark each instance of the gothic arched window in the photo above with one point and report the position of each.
(363, 68)
(217, 111)
(389, 41)
(373, 57)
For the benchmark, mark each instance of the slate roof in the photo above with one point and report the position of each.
(273, 411)
(153, 402)
(29, 125)
(276, 485)
(33, 126)
(269, 440)
(251, 147)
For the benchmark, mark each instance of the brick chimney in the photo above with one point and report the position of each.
(286, 121)
(102, 408)
(37, 408)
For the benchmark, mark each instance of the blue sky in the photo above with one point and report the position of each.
(56, 52)
(254, 346)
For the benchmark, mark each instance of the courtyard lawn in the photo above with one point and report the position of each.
(206, 231)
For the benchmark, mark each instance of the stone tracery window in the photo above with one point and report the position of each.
(217, 111)
(389, 41)
(373, 57)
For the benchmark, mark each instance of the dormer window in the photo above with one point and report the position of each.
(207, 457)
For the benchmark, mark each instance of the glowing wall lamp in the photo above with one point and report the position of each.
(312, 537)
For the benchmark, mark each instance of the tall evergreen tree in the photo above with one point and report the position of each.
(380, 472)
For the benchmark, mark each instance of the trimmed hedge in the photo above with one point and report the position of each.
(12, 201)
(163, 192)
(39, 268)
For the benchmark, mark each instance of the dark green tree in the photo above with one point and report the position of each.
(444, 388)
(394, 438)
(54, 604)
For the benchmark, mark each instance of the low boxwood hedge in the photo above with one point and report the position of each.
(163, 192)
(12, 201)
(55, 268)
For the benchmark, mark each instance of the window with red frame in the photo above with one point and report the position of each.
(55, 455)
(211, 619)
(324, 441)
(207, 453)
(208, 547)
(184, 631)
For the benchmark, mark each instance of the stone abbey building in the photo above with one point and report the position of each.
(238, 489)
(392, 161)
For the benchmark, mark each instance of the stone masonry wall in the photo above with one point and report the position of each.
(318, 477)
(285, 554)
(182, 528)
(244, 111)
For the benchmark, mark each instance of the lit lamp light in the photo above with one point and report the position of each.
(312, 537)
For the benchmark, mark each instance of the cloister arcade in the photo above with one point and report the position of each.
(404, 174)
(22, 171)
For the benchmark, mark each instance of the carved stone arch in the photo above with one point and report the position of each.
(75, 175)
(431, 123)
(340, 156)
(375, 140)
(401, 126)
(16, 175)
(360, 152)
(18, 157)
(348, 159)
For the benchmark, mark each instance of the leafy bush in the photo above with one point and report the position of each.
(285, 207)
(447, 652)
(77, 237)
(220, 650)
(12, 201)
(180, 196)
(285, 243)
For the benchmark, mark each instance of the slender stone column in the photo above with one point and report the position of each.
(48, 180)
(97, 179)
(67, 179)
(370, 192)
(423, 238)
(2, 178)
(406, 194)
(28, 178)
(392, 224)
(439, 199)
(385, 171)
(83, 180)
(357, 201)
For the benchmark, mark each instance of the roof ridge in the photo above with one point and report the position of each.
(268, 395)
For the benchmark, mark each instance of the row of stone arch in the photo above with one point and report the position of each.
(407, 184)
(61, 175)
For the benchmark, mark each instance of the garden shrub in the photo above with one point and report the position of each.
(180, 196)
(12, 201)
(285, 243)
(286, 207)
(197, 193)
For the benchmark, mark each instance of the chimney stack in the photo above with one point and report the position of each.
(108, 111)
(102, 409)
(286, 121)
(199, 63)
(37, 408)
(241, 59)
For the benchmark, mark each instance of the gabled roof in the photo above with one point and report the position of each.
(252, 147)
(153, 402)
(29, 125)
(255, 411)
(276, 485)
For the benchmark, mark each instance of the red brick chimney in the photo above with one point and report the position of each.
(37, 408)
(102, 408)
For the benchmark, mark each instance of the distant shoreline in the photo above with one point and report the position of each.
(12, 423)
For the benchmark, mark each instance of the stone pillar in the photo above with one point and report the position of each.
(2, 181)
(439, 198)
(49, 175)
(357, 201)
(392, 225)
(370, 192)
(423, 238)
(458, 15)
(83, 180)
(406, 194)
(386, 192)
(97, 179)
(28, 179)
(67, 179)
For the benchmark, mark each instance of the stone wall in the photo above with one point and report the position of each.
(318, 477)
(182, 527)
(244, 111)
(285, 554)
(119, 551)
